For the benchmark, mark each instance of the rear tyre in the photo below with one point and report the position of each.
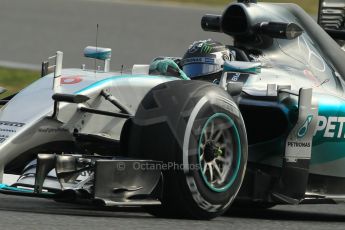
(196, 129)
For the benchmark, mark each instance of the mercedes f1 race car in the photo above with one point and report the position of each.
(271, 131)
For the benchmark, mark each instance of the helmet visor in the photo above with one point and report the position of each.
(200, 69)
(201, 66)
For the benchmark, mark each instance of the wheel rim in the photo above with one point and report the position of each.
(219, 152)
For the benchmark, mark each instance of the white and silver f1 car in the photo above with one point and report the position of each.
(271, 132)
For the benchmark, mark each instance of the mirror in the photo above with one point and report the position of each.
(99, 53)
(280, 30)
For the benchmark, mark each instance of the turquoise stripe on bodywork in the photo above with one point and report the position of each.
(6, 187)
(123, 77)
(9, 188)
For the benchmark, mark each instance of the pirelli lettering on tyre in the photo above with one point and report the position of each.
(199, 199)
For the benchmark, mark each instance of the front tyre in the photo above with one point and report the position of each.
(196, 129)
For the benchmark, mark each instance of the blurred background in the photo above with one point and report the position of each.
(136, 30)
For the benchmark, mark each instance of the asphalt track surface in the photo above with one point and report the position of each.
(35, 213)
(31, 30)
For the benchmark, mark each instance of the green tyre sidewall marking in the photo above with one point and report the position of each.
(238, 154)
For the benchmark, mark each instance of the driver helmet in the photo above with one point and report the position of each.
(205, 59)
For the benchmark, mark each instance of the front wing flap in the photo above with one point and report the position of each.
(110, 181)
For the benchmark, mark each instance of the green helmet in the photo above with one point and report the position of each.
(204, 58)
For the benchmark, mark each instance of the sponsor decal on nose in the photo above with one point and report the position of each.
(70, 80)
